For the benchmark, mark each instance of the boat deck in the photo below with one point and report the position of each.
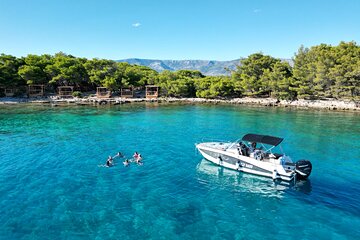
(233, 148)
(218, 145)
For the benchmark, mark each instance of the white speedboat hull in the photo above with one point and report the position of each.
(231, 159)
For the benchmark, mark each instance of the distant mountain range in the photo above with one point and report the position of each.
(206, 67)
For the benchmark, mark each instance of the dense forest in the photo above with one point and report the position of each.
(322, 71)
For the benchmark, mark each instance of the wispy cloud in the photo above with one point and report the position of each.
(136, 25)
(256, 10)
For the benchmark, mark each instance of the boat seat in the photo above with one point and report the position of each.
(277, 155)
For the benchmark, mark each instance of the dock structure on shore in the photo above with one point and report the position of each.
(7, 91)
(65, 91)
(127, 92)
(36, 90)
(151, 91)
(103, 92)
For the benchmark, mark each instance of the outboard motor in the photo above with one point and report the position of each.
(303, 169)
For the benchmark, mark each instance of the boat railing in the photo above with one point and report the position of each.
(214, 140)
(234, 143)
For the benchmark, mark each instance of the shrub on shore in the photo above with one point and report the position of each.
(77, 94)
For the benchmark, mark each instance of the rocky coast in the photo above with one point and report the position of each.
(329, 104)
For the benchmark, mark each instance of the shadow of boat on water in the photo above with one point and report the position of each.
(213, 175)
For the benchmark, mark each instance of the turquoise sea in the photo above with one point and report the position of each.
(51, 186)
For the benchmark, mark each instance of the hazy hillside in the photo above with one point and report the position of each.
(207, 67)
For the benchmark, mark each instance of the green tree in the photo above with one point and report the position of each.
(279, 80)
(67, 70)
(190, 74)
(34, 70)
(303, 74)
(327, 71)
(212, 87)
(250, 72)
(139, 76)
(104, 73)
(9, 66)
(322, 66)
(177, 84)
(345, 73)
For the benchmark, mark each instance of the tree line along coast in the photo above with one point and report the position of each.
(317, 73)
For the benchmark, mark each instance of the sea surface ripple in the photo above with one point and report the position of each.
(52, 185)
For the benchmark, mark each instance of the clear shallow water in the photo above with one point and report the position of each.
(52, 188)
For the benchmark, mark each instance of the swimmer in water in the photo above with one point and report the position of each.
(136, 155)
(119, 154)
(109, 162)
(138, 160)
(126, 163)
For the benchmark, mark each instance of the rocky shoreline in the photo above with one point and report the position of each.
(307, 104)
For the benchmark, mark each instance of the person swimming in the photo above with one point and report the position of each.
(126, 163)
(136, 155)
(109, 162)
(119, 154)
(138, 160)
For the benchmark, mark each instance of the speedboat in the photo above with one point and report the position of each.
(253, 153)
(211, 174)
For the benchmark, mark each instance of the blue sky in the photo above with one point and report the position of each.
(166, 29)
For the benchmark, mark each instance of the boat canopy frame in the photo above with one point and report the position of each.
(265, 139)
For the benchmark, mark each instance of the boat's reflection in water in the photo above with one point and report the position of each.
(215, 176)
